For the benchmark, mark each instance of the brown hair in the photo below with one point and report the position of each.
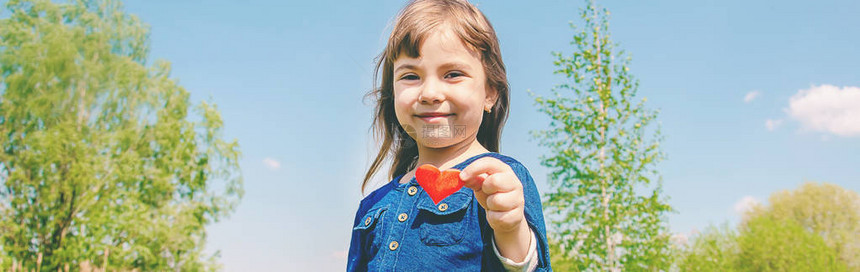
(415, 23)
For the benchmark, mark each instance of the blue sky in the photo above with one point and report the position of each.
(742, 87)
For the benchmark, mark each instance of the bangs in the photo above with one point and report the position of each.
(417, 24)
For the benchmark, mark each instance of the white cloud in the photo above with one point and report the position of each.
(272, 164)
(827, 108)
(746, 204)
(751, 96)
(772, 124)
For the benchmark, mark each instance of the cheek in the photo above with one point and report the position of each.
(402, 107)
(400, 104)
(474, 102)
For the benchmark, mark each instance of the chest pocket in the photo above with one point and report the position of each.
(444, 224)
(371, 228)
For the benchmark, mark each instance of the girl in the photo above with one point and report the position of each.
(443, 100)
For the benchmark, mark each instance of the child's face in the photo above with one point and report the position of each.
(439, 97)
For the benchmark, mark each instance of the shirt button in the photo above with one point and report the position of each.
(443, 207)
(393, 245)
(402, 217)
(367, 221)
(412, 190)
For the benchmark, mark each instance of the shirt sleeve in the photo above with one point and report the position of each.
(529, 264)
(355, 259)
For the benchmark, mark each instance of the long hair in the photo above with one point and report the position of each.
(413, 25)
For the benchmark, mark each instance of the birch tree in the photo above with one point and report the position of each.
(605, 206)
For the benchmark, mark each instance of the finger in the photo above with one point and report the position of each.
(501, 183)
(482, 199)
(505, 221)
(502, 202)
(475, 183)
(486, 165)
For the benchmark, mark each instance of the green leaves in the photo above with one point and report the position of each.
(813, 228)
(602, 152)
(99, 151)
(768, 243)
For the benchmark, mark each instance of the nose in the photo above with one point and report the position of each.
(432, 92)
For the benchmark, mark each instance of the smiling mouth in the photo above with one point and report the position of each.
(433, 116)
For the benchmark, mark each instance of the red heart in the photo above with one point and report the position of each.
(438, 185)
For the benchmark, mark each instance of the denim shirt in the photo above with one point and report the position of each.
(398, 228)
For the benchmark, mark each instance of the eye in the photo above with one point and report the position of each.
(454, 74)
(409, 76)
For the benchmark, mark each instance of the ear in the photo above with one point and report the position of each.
(490, 100)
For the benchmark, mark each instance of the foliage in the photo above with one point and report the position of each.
(101, 161)
(713, 250)
(558, 259)
(770, 244)
(812, 228)
(605, 208)
(825, 209)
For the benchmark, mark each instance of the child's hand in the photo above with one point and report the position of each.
(499, 192)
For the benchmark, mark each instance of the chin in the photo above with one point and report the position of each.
(437, 142)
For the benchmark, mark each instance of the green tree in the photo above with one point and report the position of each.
(712, 250)
(827, 210)
(812, 228)
(772, 244)
(102, 163)
(762, 243)
(605, 206)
